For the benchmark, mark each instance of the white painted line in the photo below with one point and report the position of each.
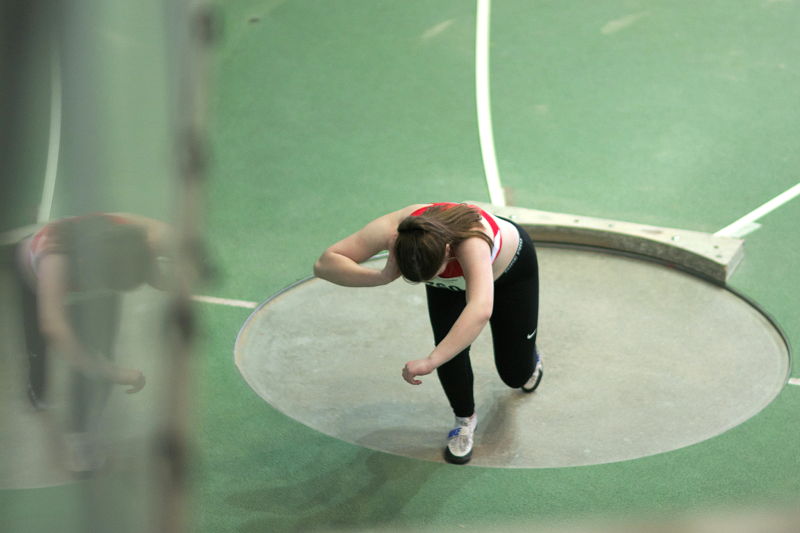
(745, 230)
(794, 381)
(620, 24)
(436, 30)
(225, 301)
(485, 133)
(772, 205)
(54, 147)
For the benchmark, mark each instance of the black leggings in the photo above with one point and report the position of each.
(515, 315)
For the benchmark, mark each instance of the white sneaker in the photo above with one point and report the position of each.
(536, 377)
(459, 440)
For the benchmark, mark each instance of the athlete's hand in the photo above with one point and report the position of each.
(131, 377)
(419, 367)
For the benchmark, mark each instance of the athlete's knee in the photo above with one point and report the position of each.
(514, 379)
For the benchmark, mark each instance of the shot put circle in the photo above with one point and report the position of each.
(639, 359)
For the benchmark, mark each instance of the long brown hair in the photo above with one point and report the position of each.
(422, 239)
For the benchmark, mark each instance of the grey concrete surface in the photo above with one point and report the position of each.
(639, 359)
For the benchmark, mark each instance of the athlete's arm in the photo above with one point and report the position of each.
(340, 263)
(475, 259)
(58, 332)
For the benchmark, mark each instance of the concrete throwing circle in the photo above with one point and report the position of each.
(639, 359)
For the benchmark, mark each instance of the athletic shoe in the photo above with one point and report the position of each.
(536, 377)
(459, 440)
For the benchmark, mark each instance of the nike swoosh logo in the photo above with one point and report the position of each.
(531, 335)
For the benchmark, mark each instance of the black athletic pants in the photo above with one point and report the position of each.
(514, 321)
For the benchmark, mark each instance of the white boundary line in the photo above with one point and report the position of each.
(496, 194)
(225, 301)
(54, 148)
(794, 381)
(736, 228)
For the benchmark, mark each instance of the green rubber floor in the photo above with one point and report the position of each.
(325, 115)
(677, 114)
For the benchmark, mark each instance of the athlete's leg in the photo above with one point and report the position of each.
(35, 346)
(444, 308)
(515, 317)
(96, 322)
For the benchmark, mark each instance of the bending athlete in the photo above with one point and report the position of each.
(71, 275)
(477, 268)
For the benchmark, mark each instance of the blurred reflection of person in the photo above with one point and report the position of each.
(71, 274)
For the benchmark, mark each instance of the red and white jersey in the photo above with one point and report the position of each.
(453, 276)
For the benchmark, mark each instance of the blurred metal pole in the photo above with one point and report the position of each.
(192, 28)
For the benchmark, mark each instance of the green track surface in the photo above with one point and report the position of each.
(328, 114)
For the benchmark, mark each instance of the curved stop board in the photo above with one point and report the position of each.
(702, 254)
